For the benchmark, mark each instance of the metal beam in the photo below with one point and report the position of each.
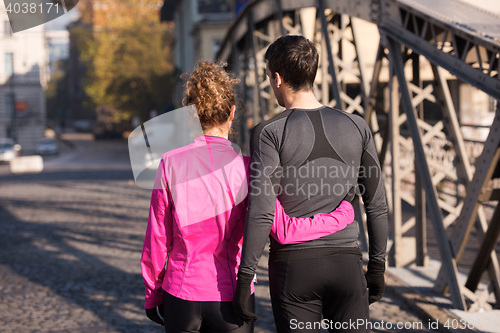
(373, 89)
(485, 166)
(331, 64)
(483, 257)
(396, 214)
(420, 213)
(461, 70)
(257, 96)
(437, 219)
(465, 171)
(280, 17)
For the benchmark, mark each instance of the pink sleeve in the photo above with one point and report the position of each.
(157, 241)
(292, 230)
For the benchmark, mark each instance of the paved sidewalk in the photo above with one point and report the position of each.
(415, 287)
(70, 257)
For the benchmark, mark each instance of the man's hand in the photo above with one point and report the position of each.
(153, 314)
(375, 280)
(241, 298)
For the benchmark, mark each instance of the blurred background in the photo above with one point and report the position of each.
(72, 219)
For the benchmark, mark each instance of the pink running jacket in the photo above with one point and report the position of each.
(194, 236)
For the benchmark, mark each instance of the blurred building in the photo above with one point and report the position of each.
(76, 73)
(78, 100)
(57, 46)
(23, 77)
(200, 27)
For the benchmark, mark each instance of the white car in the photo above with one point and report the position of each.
(8, 150)
(47, 146)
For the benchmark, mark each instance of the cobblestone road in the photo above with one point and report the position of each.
(71, 240)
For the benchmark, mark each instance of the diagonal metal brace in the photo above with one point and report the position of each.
(444, 248)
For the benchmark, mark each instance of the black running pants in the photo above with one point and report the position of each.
(205, 317)
(303, 291)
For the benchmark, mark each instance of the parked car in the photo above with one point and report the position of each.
(83, 125)
(47, 146)
(106, 131)
(8, 150)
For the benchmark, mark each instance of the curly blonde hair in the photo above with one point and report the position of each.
(210, 88)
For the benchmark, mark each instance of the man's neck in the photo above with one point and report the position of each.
(301, 100)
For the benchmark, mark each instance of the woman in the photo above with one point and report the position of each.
(193, 241)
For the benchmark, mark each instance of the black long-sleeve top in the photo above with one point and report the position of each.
(311, 160)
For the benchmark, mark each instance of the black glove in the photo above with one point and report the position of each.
(375, 280)
(242, 296)
(153, 314)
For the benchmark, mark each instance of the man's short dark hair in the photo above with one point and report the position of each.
(295, 58)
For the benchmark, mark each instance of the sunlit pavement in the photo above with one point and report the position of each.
(71, 240)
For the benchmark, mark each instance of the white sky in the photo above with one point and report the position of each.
(62, 21)
(490, 5)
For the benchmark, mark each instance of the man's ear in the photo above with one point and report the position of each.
(278, 79)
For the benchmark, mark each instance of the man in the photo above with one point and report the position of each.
(311, 157)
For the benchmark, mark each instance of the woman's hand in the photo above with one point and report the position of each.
(153, 314)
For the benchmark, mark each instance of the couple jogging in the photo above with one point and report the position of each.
(213, 210)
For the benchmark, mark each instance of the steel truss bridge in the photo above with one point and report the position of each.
(451, 37)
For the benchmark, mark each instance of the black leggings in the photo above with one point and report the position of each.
(304, 289)
(206, 317)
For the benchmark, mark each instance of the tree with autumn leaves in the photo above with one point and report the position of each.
(127, 54)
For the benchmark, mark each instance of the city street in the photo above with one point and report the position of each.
(71, 240)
